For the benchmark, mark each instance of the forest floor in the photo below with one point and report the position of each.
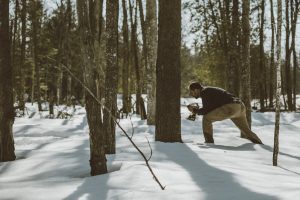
(53, 161)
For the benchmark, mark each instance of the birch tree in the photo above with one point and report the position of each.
(278, 82)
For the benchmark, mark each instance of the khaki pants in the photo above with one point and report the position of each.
(234, 111)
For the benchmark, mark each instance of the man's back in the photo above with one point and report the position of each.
(213, 97)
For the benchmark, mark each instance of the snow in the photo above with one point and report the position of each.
(53, 161)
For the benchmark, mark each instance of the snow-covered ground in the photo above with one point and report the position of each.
(53, 162)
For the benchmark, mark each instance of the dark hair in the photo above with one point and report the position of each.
(195, 85)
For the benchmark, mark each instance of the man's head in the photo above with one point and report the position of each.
(195, 89)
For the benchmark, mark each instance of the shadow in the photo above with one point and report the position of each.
(95, 187)
(297, 173)
(269, 148)
(243, 147)
(215, 183)
(92, 188)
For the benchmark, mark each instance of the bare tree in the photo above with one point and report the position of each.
(245, 92)
(288, 82)
(278, 82)
(91, 78)
(126, 60)
(272, 64)
(7, 149)
(262, 78)
(111, 76)
(151, 20)
(168, 72)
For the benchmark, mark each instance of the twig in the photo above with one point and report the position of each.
(114, 119)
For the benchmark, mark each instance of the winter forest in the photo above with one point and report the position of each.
(97, 99)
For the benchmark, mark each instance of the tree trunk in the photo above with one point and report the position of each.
(7, 149)
(135, 58)
(111, 77)
(125, 70)
(245, 67)
(294, 18)
(278, 82)
(168, 127)
(35, 29)
(234, 48)
(262, 67)
(151, 20)
(94, 113)
(22, 59)
(272, 64)
(288, 82)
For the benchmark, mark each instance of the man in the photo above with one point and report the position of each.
(218, 105)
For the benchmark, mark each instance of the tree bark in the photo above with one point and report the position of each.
(94, 113)
(151, 20)
(7, 149)
(22, 59)
(245, 67)
(111, 77)
(168, 127)
(262, 67)
(126, 57)
(278, 82)
(272, 63)
(35, 29)
(288, 82)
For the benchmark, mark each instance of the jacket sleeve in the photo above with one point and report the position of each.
(202, 111)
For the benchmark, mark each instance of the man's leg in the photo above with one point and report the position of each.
(242, 124)
(224, 112)
(207, 129)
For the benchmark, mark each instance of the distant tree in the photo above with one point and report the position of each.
(295, 7)
(168, 127)
(126, 61)
(21, 90)
(272, 64)
(278, 82)
(288, 81)
(36, 14)
(262, 75)
(6, 90)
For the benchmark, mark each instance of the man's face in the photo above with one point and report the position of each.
(195, 93)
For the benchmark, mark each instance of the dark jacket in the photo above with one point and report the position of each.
(213, 97)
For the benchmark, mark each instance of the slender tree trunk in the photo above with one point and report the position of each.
(278, 82)
(168, 72)
(288, 82)
(136, 64)
(262, 57)
(22, 59)
(245, 67)
(111, 78)
(272, 64)
(125, 70)
(151, 20)
(294, 18)
(35, 27)
(7, 149)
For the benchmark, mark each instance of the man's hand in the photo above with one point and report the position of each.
(193, 108)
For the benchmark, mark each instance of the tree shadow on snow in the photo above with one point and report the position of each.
(215, 183)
